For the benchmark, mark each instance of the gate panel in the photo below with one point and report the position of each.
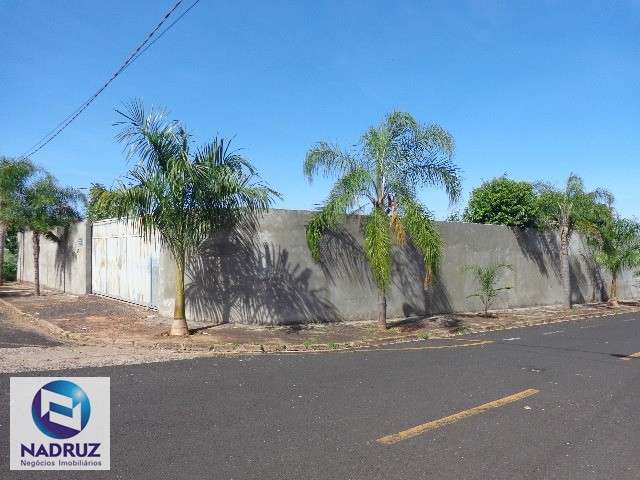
(125, 266)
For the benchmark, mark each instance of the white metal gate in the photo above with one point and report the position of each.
(124, 265)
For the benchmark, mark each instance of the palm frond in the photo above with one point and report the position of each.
(377, 246)
(48, 205)
(15, 175)
(418, 223)
(399, 156)
(616, 244)
(150, 137)
(327, 160)
(486, 278)
(342, 197)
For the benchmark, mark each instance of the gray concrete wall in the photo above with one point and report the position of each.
(64, 265)
(270, 278)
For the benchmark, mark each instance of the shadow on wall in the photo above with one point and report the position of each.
(538, 246)
(584, 273)
(342, 258)
(581, 280)
(65, 255)
(236, 279)
(409, 272)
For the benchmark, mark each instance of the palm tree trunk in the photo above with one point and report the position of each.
(382, 309)
(35, 238)
(179, 325)
(564, 265)
(613, 291)
(3, 239)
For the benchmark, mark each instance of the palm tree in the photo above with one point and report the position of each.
(48, 206)
(486, 278)
(570, 209)
(183, 195)
(14, 176)
(393, 161)
(616, 246)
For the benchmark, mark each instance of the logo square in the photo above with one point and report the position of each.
(60, 423)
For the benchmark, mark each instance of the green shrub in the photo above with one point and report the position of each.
(503, 202)
(10, 267)
(486, 279)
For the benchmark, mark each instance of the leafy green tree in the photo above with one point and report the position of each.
(11, 255)
(567, 210)
(10, 265)
(487, 278)
(616, 245)
(48, 206)
(503, 201)
(393, 161)
(454, 217)
(183, 195)
(14, 177)
(95, 210)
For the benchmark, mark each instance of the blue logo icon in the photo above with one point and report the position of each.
(60, 409)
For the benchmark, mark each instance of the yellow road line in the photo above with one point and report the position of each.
(428, 347)
(633, 355)
(415, 431)
(370, 349)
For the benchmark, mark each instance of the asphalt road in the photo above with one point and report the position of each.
(317, 416)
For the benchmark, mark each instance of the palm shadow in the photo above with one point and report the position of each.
(540, 247)
(235, 278)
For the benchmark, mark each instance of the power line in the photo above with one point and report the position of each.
(71, 117)
(139, 50)
(159, 36)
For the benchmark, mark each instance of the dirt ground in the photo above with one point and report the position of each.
(94, 320)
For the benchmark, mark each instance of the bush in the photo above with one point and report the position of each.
(10, 267)
(503, 202)
(486, 278)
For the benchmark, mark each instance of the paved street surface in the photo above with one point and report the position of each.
(318, 416)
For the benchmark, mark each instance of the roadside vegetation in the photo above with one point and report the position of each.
(14, 178)
(381, 179)
(486, 278)
(569, 209)
(182, 193)
(31, 199)
(48, 207)
(614, 241)
(503, 201)
(616, 245)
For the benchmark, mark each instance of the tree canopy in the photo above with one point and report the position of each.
(390, 164)
(49, 205)
(181, 193)
(616, 246)
(503, 201)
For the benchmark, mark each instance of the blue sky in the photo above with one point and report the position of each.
(532, 89)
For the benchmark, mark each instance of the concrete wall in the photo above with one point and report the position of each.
(267, 276)
(64, 265)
